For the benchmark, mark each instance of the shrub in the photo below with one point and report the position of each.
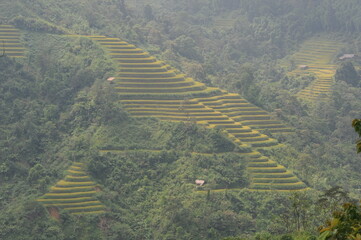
(36, 25)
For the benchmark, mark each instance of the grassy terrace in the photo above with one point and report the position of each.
(154, 84)
(10, 42)
(171, 108)
(317, 55)
(239, 110)
(135, 60)
(171, 96)
(223, 23)
(75, 194)
(148, 87)
(267, 175)
(178, 78)
(141, 65)
(165, 74)
(153, 69)
(191, 110)
(160, 89)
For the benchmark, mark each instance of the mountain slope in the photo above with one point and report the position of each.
(151, 88)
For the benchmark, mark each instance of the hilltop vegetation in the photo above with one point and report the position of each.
(56, 109)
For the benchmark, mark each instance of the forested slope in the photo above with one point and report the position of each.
(57, 109)
(42, 135)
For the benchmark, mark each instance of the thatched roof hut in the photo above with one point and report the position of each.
(200, 182)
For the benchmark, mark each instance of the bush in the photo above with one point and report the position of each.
(36, 25)
(286, 237)
(347, 72)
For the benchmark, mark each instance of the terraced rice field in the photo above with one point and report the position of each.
(148, 87)
(10, 43)
(317, 55)
(223, 23)
(243, 112)
(75, 193)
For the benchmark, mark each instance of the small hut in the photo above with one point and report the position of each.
(303, 67)
(347, 56)
(200, 182)
(111, 79)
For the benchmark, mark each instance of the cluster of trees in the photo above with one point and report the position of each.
(347, 73)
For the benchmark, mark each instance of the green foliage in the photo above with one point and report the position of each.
(345, 224)
(191, 136)
(36, 173)
(356, 124)
(232, 238)
(35, 98)
(160, 135)
(346, 72)
(168, 179)
(56, 108)
(286, 237)
(74, 126)
(333, 197)
(96, 105)
(36, 25)
(185, 46)
(214, 169)
(148, 12)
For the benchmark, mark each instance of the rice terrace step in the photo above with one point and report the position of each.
(10, 42)
(75, 193)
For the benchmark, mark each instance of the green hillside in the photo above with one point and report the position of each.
(111, 110)
(152, 88)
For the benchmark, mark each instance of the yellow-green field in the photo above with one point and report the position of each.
(317, 55)
(75, 194)
(10, 44)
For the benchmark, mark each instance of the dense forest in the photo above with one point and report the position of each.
(61, 121)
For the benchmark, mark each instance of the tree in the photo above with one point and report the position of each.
(300, 203)
(122, 8)
(332, 197)
(148, 12)
(356, 124)
(346, 224)
(187, 47)
(347, 72)
(36, 172)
